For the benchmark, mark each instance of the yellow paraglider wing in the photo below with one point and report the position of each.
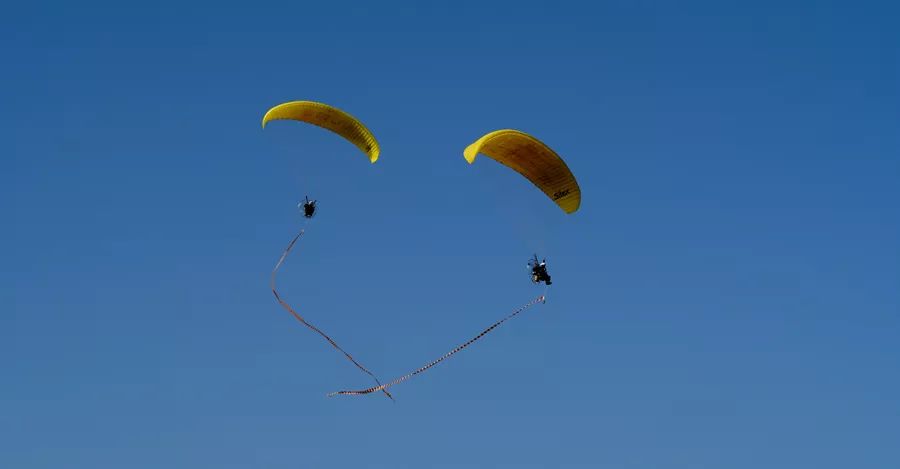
(327, 117)
(531, 158)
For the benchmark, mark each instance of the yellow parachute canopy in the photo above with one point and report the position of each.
(327, 117)
(533, 159)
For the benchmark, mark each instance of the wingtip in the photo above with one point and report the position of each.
(470, 153)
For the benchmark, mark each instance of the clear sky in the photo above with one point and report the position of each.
(727, 296)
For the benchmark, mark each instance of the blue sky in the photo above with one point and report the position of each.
(727, 296)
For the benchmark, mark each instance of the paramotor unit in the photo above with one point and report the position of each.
(539, 271)
(308, 206)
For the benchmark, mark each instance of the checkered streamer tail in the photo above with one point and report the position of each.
(300, 318)
(383, 387)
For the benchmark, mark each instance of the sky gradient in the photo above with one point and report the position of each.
(727, 295)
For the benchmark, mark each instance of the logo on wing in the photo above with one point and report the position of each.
(560, 194)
